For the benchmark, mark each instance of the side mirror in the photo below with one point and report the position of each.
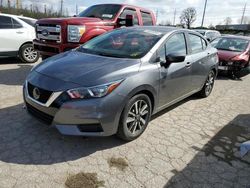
(128, 21)
(175, 58)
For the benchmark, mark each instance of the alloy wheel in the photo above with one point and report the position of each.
(29, 54)
(138, 116)
(209, 83)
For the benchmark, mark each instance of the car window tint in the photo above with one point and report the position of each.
(176, 44)
(146, 18)
(195, 43)
(127, 11)
(5, 22)
(16, 24)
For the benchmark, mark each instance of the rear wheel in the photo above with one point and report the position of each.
(135, 117)
(208, 86)
(28, 54)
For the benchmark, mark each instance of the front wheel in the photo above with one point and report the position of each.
(135, 117)
(28, 54)
(208, 86)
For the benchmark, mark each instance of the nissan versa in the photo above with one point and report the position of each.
(115, 82)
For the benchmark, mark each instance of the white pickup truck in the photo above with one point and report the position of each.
(16, 36)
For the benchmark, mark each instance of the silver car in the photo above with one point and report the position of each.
(115, 82)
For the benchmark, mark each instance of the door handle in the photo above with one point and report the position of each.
(188, 65)
(19, 32)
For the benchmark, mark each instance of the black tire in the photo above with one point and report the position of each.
(44, 57)
(208, 85)
(129, 131)
(27, 54)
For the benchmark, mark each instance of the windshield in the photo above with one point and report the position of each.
(201, 32)
(106, 12)
(230, 44)
(123, 43)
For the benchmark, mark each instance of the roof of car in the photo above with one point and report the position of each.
(16, 16)
(236, 37)
(160, 29)
(123, 4)
(205, 30)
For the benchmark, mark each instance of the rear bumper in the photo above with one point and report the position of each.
(50, 49)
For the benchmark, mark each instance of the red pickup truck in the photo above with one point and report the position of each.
(56, 35)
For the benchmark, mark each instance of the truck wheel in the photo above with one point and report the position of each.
(27, 54)
(135, 117)
(208, 86)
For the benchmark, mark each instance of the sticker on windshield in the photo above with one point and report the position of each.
(107, 15)
(152, 32)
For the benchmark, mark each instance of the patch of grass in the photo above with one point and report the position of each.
(119, 163)
(84, 180)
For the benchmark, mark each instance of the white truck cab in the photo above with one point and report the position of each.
(16, 36)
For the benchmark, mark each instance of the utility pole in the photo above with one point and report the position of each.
(204, 13)
(31, 7)
(61, 7)
(243, 14)
(9, 4)
(17, 4)
(45, 8)
(76, 9)
(157, 14)
(174, 16)
(1, 3)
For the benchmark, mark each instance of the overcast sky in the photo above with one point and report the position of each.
(217, 10)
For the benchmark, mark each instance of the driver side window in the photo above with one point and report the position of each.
(176, 44)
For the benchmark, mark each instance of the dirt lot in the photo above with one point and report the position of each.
(193, 144)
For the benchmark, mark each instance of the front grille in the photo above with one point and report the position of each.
(48, 32)
(46, 118)
(44, 94)
(90, 128)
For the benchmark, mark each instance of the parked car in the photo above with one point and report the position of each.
(115, 82)
(234, 53)
(61, 34)
(209, 34)
(16, 36)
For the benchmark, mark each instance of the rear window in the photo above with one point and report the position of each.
(146, 18)
(29, 21)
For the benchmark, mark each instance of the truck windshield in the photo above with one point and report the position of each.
(123, 43)
(105, 12)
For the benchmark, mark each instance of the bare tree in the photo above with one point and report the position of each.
(188, 17)
(228, 21)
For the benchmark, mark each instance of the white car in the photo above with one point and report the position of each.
(16, 36)
(209, 34)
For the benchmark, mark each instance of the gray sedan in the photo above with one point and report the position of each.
(115, 82)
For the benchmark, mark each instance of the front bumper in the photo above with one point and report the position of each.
(227, 66)
(89, 117)
(52, 48)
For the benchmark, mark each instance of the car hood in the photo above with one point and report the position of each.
(72, 20)
(227, 55)
(87, 69)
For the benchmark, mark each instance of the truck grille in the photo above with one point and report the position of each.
(48, 32)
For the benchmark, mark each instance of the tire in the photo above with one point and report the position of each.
(44, 57)
(27, 54)
(208, 85)
(134, 122)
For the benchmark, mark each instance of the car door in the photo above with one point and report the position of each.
(12, 34)
(200, 58)
(174, 79)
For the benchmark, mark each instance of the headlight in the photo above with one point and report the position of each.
(230, 63)
(93, 92)
(75, 32)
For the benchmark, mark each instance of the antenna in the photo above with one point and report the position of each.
(243, 14)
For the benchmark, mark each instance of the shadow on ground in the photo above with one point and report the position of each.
(15, 76)
(24, 140)
(218, 163)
